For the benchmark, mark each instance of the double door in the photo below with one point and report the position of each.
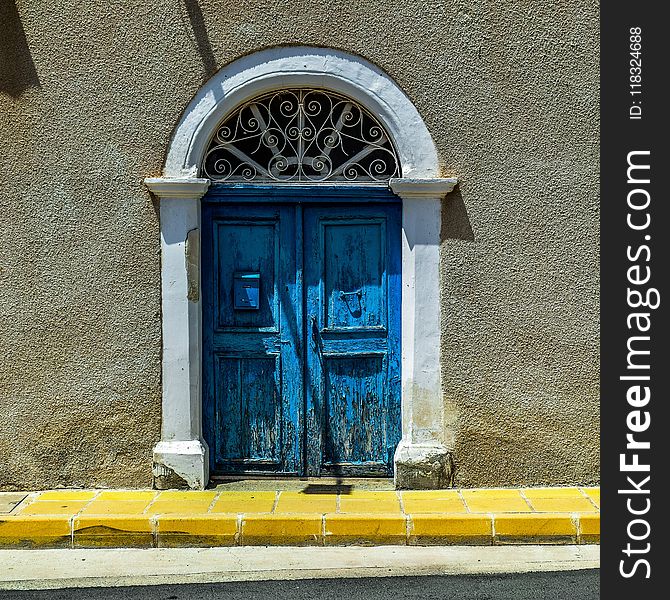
(301, 336)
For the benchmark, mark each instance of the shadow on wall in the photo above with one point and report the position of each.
(455, 220)
(17, 70)
(197, 33)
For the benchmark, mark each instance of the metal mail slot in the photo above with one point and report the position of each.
(246, 290)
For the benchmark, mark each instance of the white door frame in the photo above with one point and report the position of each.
(423, 458)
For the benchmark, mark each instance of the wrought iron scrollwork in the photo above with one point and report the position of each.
(301, 135)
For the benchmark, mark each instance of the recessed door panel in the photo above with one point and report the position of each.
(248, 407)
(244, 248)
(354, 270)
(354, 406)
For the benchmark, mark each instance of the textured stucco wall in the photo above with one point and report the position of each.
(89, 94)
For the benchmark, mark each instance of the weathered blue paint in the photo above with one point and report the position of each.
(309, 383)
(241, 193)
(252, 371)
(352, 288)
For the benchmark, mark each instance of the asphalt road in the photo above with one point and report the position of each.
(563, 585)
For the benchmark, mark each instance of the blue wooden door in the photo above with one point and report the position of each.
(301, 332)
(352, 286)
(252, 371)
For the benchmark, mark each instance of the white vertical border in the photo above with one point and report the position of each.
(423, 458)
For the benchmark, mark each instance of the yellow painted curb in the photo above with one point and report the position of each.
(32, 531)
(589, 529)
(365, 529)
(113, 531)
(179, 531)
(146, 518)
(281, 530)
(536, 528)
(450, 529)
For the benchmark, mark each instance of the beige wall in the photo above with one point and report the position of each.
(89, 94)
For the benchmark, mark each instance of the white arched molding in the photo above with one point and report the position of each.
(423, 458)
(276, 68)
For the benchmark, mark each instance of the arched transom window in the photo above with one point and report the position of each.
(300, 135)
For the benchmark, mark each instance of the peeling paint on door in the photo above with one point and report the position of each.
(325, 336)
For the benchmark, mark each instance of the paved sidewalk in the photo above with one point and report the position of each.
(308, 517)
(68, 568)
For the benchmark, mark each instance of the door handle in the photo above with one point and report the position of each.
(351, 304)
(314, 326)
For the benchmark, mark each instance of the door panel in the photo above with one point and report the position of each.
(352, 284)
(248, 401)
(247, 246)
(354, 393)
(252, 373)
(353, 258)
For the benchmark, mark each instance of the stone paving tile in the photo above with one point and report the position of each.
(200, 495)
(9, 500)
(370, 502)
(147, 495)
(304, 484)
(111, 507)
(570, 492)
(433, 501)
(593, 494)
(495, 501)
(297, 502)
(245, 502)
(69, 494)
(174, 506)
(54, 507)
(566, 505)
